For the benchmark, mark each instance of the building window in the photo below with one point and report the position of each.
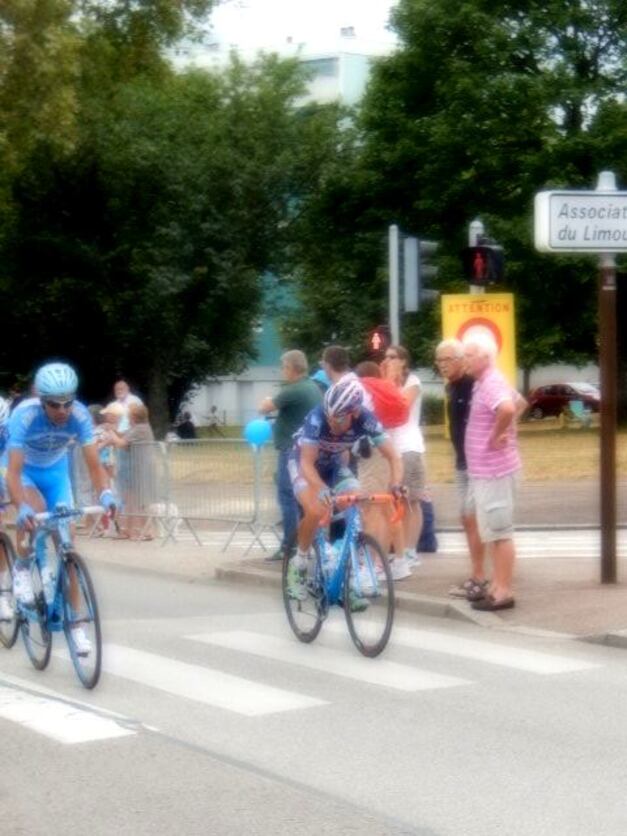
(327, 67)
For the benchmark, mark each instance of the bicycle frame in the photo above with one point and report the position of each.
(333, 583)
(57, 523)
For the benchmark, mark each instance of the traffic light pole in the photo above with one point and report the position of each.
(393, 275)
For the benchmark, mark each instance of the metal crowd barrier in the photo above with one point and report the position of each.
(191, 485)
(204, 484)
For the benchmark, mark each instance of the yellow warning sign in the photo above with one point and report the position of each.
(464, 313)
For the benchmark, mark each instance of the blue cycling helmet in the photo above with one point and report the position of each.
(343, 397)
(55, 380)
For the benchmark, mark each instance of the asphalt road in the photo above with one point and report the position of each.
(210, 718)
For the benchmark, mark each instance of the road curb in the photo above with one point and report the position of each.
(429, 605)
(614, 639)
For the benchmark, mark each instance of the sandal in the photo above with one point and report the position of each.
(461, 590)
(490, 604)
(477, 591)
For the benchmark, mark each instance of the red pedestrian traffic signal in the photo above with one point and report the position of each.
(483, 265)
(379, 339)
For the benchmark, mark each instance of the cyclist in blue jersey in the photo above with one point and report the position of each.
(38, 477)
(319, 463)
(6, 605)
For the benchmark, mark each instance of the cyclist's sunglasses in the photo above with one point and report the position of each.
(58, 404)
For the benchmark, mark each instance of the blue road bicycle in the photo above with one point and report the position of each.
(65, 599)
(356, 577)
(9, 628)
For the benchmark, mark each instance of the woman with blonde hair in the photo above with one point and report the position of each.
(137, 472)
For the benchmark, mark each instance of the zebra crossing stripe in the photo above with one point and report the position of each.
(56, 718)
(317, 657)
(507, 656)
(202, 684)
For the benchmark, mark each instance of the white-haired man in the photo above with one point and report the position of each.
(449, 357)
(493, 463)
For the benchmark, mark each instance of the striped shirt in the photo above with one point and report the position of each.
(484, 462)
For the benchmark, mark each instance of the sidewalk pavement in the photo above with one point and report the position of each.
(552, 594)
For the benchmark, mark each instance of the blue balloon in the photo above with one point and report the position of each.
(257, 431)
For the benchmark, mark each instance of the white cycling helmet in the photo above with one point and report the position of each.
(56, 380)
(5, 410)
(343, 397)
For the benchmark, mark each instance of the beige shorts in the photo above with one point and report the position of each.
(464, 493)
(374, 473)
(414, 475)
(494, 503)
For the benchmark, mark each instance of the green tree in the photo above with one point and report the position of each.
(484, 104)
(141, 252)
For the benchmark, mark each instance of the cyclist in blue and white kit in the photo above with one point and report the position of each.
(6, 604)
(318, 464)
(38, 477)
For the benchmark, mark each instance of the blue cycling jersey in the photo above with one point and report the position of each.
(42, 442)
(316, 430)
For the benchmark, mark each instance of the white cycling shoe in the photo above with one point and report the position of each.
(81, 643)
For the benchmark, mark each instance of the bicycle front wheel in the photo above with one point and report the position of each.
(304, 597)
(9, 626)
(34, 624)
(368, 596)
(81, 621)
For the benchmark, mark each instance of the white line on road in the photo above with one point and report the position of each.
(320, 658)
(205, 685)
(57, 719)
(531, 661)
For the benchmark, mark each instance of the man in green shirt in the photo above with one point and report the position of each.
(297, 397)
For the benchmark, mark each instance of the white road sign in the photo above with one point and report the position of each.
(581, 222)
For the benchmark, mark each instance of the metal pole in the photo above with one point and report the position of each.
(393, 283)
(475, 231)
(608, 372)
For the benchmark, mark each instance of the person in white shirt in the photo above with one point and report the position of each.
(123, 398)
(409, 442)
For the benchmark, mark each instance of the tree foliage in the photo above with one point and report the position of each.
(483, 104)
(138, 233)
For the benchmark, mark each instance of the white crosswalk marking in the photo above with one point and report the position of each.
(506, 656)
(57, 719)
(529, 544)
(205, 685)
(318, 657)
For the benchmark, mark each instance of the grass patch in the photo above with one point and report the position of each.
(548, 454)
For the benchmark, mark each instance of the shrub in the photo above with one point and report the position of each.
(432, 410)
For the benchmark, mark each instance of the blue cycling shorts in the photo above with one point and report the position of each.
(53, 483)
(334, 474)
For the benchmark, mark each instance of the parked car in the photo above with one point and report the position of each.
(552, 398)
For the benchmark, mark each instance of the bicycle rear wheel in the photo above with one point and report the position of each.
(368, 596)
(305, 613)
(9, 628)
(34, 624)
(81, 621)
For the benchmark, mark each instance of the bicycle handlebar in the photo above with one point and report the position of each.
(62, 513)
(345, 500)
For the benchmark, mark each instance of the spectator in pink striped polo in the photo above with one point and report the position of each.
(491, 449)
